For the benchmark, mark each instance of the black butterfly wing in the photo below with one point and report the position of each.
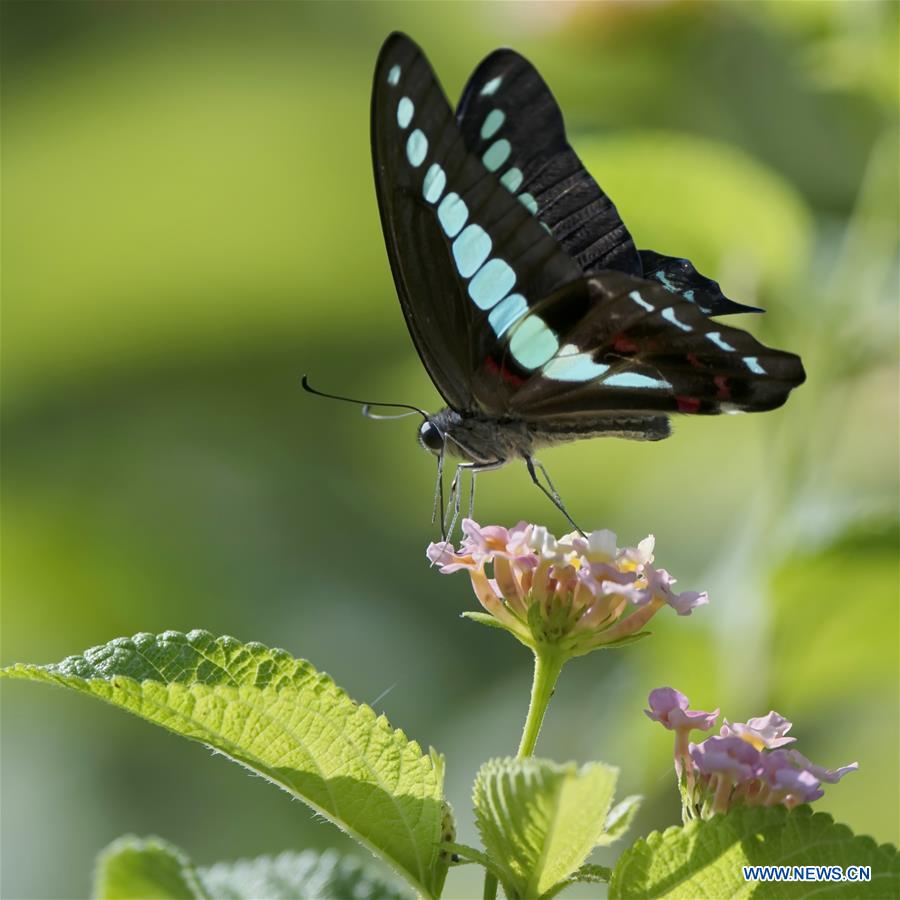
(678, 276)
(461, 246)
(640, 349)
(503, 317)
(506, 104)
(509, 116)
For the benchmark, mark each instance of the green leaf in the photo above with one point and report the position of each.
(484, 619)
(281, 718)
(625, 641)
(587, 874)
(704, 859)
(469, 855)
(299, 876)
(133, 868)
(539, 820)
(619, 819)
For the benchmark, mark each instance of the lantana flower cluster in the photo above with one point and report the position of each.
(575, 593)
(746, 764)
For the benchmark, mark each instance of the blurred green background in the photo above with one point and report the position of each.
(189, 224)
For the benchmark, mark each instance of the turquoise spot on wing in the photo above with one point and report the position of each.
(394, 75)
(493, 281)
(507, 312)
(405, 110)
(636, 380)
(491, 87)
(634, 295)
(496, 154)
(492, 122)
(669, 315)
(688, 295)
(529, 203)
(434, 184)
(512, 179)
(416, 148)
(717, 339)
(752, 363)
(663, 279)
(570, 365)
(452, 214)
(533, 343)
(471, 249)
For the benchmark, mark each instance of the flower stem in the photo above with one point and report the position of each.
(547, 666)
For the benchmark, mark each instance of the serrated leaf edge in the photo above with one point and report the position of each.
(653, 840)
(433, 761)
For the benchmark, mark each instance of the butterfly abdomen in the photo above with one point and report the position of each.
(633, 428)
(479, 438)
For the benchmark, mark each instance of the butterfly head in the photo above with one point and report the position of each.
(431, 437)
(447, 431)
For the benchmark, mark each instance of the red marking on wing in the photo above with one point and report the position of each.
(724, 392)
(623, 344)
(688, 404)
(694, 361)
(509, 377)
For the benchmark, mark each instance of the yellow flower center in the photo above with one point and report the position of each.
(753, 740)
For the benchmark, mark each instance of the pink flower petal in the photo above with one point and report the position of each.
(442, 554)
(832, 776)
(670, 708)
(764, 731)
(728, 756)
(598, 546)
(637, 557)
(687, 601)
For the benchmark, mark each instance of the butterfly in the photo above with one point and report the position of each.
(534, 313)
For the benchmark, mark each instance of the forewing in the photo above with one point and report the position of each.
(510, 119)
(460, 245)
(641, 349)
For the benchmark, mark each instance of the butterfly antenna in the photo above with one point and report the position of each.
(365, 404)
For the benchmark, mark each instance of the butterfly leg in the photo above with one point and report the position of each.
(532, 465)
(454, 498)
(438, 504)
(452, 511)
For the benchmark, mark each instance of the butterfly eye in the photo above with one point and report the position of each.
(430, 437)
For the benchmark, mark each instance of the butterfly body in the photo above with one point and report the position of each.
(482, 439)
(532, 309)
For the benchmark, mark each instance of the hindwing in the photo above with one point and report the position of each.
(641, 349)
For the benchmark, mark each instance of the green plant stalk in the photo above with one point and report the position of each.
(490, 886)
(548, 663)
